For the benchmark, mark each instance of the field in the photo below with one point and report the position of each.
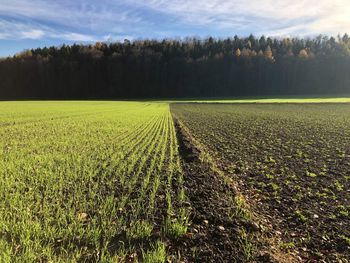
(97, 181)
(88, 181)
(291, 162)
(284, 99)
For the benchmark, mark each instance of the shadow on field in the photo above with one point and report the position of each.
(219, 231)
(225, 225)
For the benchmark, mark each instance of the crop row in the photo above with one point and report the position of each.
(89, 181)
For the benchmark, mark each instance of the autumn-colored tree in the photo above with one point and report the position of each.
(24, 54)
(238, 52)
(268, 52)
(246, 52)
(303, 54)
(174, 67)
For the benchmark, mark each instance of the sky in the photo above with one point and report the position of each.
(28, 24)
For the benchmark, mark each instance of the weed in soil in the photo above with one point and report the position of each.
(291, 161)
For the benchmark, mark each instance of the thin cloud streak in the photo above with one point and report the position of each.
(256, 16)
(87, 20)
(78, 19)
(33, 34)
(14, 30)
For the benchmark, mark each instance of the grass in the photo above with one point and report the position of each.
(83, 181)
(156, 254)
(103, 180)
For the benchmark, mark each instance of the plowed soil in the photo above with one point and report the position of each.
(291, 161)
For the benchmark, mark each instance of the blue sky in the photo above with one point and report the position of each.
(33, 23)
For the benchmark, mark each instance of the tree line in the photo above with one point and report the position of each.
(173, 68)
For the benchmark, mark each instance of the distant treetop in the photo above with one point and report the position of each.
(171, 68)
(197, 48)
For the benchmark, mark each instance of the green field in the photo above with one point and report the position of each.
(120, 181)
(87, 181)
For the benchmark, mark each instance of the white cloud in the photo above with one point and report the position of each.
(77, 14)
(73, 37)
(88, 20)
(33, 34)
(267, 16)
(4, 35)
(17, 30)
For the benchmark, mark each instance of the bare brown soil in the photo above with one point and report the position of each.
(292, 163)
(214, 236)
(211, 236)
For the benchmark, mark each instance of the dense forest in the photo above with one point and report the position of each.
(189, 67)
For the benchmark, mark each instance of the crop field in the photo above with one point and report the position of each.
(88, 181)
(99, 181)
(291, 162)
(266, 100)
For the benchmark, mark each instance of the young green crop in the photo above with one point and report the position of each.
(86, 181)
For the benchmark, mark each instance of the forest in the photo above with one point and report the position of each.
(180, 68)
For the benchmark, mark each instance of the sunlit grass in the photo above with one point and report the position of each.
(81, 180)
